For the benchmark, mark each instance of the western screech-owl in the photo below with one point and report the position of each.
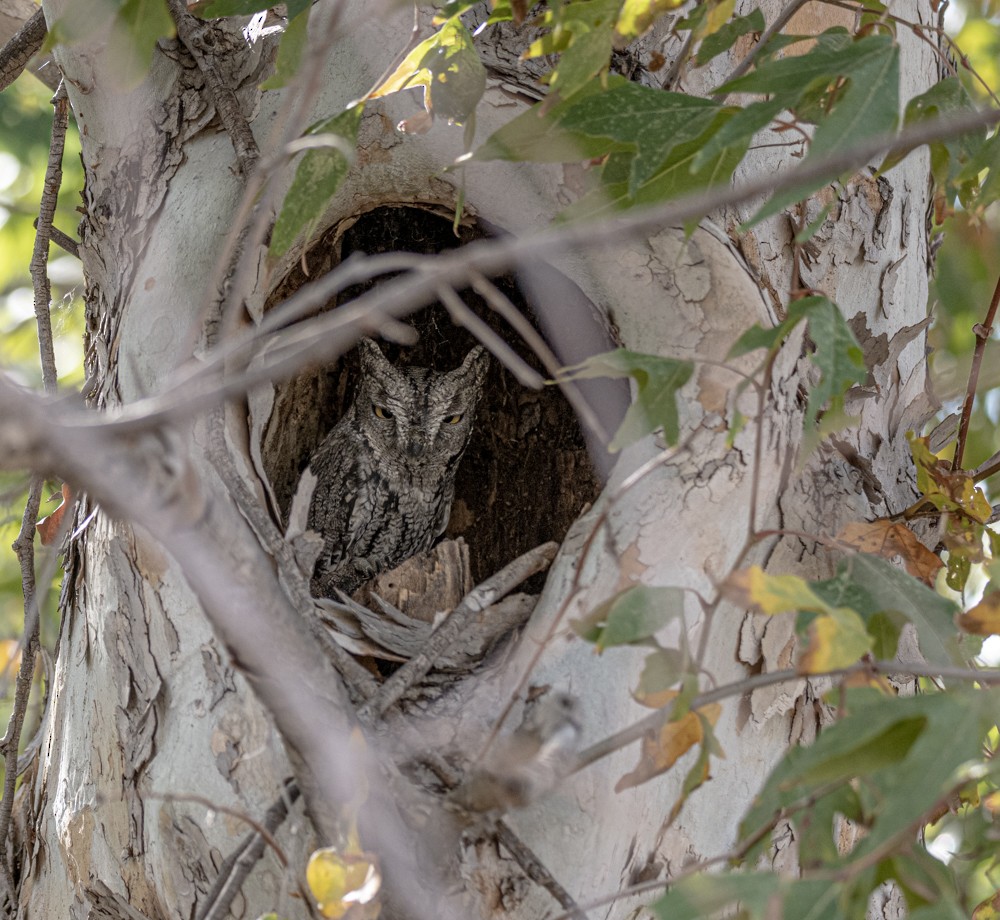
(386, 472)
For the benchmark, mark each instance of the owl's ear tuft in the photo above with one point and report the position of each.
(474, 367)
(372, 359)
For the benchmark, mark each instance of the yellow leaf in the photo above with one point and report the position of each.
(718, 15)
(984, 618)
(834, 640)
(988, 909)
(340, 882)
(661, 749)
(772, 594)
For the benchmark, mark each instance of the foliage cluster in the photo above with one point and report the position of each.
(889, 765)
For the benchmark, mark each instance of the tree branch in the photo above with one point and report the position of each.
(489, 592)
(191, 32)
(21, 48)
(983, 332)
(326, 337)
(658, 719)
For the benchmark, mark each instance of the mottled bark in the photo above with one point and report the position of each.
(145, 700)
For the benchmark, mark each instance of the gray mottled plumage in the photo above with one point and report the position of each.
(385, 474)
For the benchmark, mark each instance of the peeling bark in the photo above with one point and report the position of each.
(146, 701)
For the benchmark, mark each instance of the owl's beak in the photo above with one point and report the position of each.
(416, 448)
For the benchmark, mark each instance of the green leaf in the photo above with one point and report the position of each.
(540, 134)
(891, 589)
(317, 179)
(884, 628)
(653, 121)
(837, 353)
(448, 67)
(657, 380)
(451, 9)
(632, 616)
(903, 755)
(293, 43)
(676, 177)
(772, 337)
(944, 98)
(865, 106)
(582, 34)
(838, 356)
(662, 669)
(145, 22)
(868, 106)
(724, 38)
(131, 28)
(216, 9)
(738, 130)
(834, 55)
(585, 59)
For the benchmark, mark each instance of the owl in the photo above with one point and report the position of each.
(385, 474)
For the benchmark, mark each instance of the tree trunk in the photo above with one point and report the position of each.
(147, 710)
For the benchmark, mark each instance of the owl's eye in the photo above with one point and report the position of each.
(454, 419)
(381, 411)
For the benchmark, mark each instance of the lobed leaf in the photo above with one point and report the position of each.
(657, 380)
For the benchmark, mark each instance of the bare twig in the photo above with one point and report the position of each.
(24, 44)
(575, 585)
(773, 29)
(191, 32)
(497, 301)
(24, 546)
(489, 592)
(332, 334)
(987, 468)
(535, 869)
(62, 240)
(658, 719)
(238, 261)
(40, 251)
(983, 332)
(238, 864)
(463, 316)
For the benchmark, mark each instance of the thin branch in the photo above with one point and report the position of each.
(460, 313)
(24, 546)
(40, 252)
(535, 869)
(191, 32)
(332, 334)
(773, 29)
(573, 592)
(445, 636)
(497, 301)
(237, 866)
(62, 240)
(21, 48)
(658, 719)
(983, 332)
